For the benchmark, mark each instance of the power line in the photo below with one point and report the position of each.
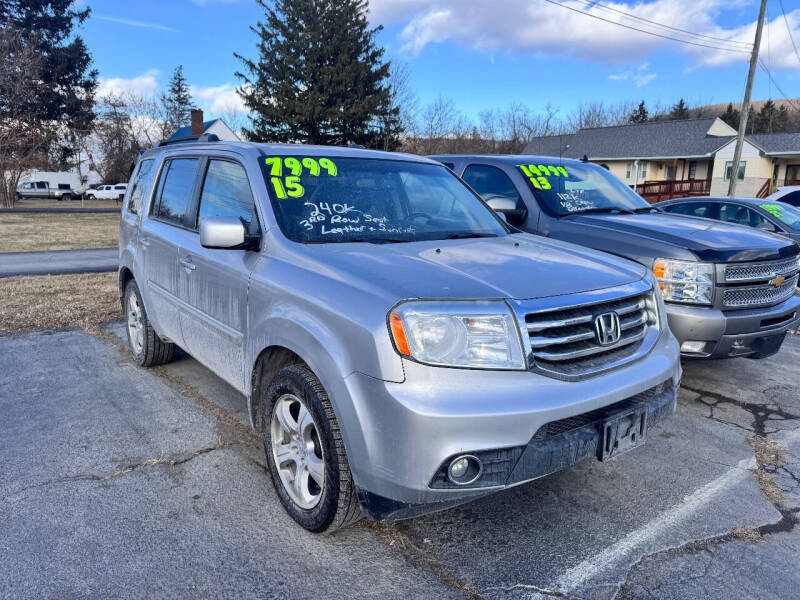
(653, 33)
(595, 3)
(777, 87)
(789, 29)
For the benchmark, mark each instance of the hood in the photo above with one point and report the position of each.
(709, 240)
(518, 266)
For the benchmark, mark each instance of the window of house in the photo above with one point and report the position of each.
(670, 173)
(628, 170)
(488, 181)
(177, 179)
(692, 169)
(643, 170)
(729, 168)
(226, 193)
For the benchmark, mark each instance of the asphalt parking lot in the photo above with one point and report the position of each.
(129, 483)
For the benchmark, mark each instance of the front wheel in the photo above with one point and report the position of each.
(305, 452)
(147, 348)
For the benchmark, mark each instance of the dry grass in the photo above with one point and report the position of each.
(25, 232)
(52, 302)
(47, 203)
(769, 454)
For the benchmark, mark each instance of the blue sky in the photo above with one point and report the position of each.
(481, 54)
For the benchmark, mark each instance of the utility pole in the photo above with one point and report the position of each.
(737, 153)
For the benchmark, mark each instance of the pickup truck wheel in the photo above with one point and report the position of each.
(90, 197)
(305, 452)
(66, 197)
(146, 347)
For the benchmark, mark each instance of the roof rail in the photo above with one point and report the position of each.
(206, 137)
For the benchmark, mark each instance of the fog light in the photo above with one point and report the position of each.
(693, 347)
(464, 470)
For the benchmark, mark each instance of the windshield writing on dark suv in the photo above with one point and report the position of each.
(327, 200)
(580, 188)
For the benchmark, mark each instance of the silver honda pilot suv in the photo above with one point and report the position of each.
(401, 348)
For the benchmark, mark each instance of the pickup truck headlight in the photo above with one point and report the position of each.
(684, 281)
(470, 334)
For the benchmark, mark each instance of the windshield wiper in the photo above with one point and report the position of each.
(466, 235)
(600, 209)
(646, 209)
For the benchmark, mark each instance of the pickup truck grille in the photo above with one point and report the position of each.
(565, 343)
(760, 271)
(759, 295)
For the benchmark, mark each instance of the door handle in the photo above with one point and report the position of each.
(187, 263)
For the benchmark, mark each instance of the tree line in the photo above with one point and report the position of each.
(318, 76)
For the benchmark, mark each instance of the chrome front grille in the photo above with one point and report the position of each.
(759, 295)
(760, 271)
(564, 342)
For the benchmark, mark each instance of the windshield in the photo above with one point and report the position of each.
(324, 200)
(786, 213)
(579, 187)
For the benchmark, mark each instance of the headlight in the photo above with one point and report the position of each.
(684, 281)
(475, 334)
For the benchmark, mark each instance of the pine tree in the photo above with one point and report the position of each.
(178, 100)
(639, 115)
(731, 116)
(319, 76)
(679, 111)
(68, 81)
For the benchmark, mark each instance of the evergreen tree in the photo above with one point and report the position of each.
(731, 116)
(639, 115)
(319, 76)
(68, 82)
(679, 111)
(178, 100)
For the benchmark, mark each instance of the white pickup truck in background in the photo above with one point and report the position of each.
(107, 192)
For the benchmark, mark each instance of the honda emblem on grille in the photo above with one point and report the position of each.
(777, 281)
(607, 328)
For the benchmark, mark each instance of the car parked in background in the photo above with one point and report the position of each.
(401, 348)
(764, 214)
(43, 189)
(789, 194)
(107, 192)
(729, 290)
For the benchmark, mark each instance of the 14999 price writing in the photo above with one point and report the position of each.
(539, 175)
(285, 173)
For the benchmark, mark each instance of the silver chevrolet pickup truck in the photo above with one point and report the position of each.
(401, 349)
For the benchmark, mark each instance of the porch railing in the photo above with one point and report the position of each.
(656, 191)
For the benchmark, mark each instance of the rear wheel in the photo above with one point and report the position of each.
(305, 452)
(147, 348)
(66, 197)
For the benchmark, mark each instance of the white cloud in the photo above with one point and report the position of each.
(145, 85)
(219, 99)
(135, 23)
(641, 75)
(534, 26)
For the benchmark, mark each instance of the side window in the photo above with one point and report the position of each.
(741, 215)
(694, 209)
(226, 193)
(488, 180)
(177, 179)
(139, 185)
(41, 185)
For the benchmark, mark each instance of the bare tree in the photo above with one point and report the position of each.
(116, 139)
(24, 138)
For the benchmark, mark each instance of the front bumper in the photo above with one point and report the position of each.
(407, 430)
(757, 333)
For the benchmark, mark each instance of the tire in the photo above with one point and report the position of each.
(67, 197)
(336, 503)
(90, 197)
(147, 348)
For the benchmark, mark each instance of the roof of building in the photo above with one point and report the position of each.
(773, 143)
(655, 139)
(185, 132)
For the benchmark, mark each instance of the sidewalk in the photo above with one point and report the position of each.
(59, 262)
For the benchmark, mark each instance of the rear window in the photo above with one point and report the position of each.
(175, 192)
(63, 186)
(141, 181)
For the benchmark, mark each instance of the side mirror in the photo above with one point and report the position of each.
(226, 232)
(506, 207)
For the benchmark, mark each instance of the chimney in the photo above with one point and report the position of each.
(197, 122)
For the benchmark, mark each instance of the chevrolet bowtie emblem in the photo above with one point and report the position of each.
(777, 281)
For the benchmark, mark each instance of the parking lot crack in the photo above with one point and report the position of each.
(122, 471)
(534, 588)
(761, 413)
